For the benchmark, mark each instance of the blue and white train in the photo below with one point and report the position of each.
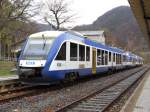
(65, 55)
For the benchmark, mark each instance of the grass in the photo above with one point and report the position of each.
(5, 68)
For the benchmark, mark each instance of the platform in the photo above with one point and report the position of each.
(140, 99)
(2, 78)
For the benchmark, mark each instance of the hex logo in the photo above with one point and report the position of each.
(30, 62)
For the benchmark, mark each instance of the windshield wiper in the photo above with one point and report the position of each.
(44, 41)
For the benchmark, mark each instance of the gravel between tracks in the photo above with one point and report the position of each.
(53, 100)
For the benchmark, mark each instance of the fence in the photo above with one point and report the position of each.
(8, 59)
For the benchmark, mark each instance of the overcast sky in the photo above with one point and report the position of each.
(89, 10)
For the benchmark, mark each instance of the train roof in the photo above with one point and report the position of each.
(47, 34)
(129, 54)
(117, 49)
(95, 44)
(80, 37)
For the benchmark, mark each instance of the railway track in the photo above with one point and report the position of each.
(10, 89)
(7, 85)
(14, 89)
(102, 99)
(17, 91)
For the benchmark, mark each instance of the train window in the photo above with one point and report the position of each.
(62, 53)
(81, 53)
(117, 58)
(114, 56)
(120, 58)
(87, 53)
(99, 57)
(119, 61)
(102, 57)
(106, 57)
(109, 56)
(73, 52)
(124, 58)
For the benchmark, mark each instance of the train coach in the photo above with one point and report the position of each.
(65, 55)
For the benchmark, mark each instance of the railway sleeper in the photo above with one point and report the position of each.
(86, 110)
(94, 104)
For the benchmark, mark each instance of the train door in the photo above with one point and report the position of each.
(93, 61)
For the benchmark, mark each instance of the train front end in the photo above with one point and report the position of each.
(34, 56)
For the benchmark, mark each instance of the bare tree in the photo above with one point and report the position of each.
(59, 13)
(14, 14)
(16, 10)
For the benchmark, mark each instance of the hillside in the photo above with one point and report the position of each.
(121, 28)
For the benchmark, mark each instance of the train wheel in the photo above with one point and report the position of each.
(71, 76)
(110, 71)
(77, 75)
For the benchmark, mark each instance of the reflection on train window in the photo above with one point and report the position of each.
(99, 57)
(87, 53)
(106, 57)
(73, 52)
(62, 53)
(109, 56)
(37, 48)
(81, 53)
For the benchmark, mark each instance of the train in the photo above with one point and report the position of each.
(67, 55)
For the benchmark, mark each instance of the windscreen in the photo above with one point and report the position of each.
(37, 48)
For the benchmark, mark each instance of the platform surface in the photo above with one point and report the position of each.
(2, 78)
(143, 102)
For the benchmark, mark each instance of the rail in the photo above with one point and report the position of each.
(101, 99)
(7, 85)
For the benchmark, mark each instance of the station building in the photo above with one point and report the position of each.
(97, 36)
